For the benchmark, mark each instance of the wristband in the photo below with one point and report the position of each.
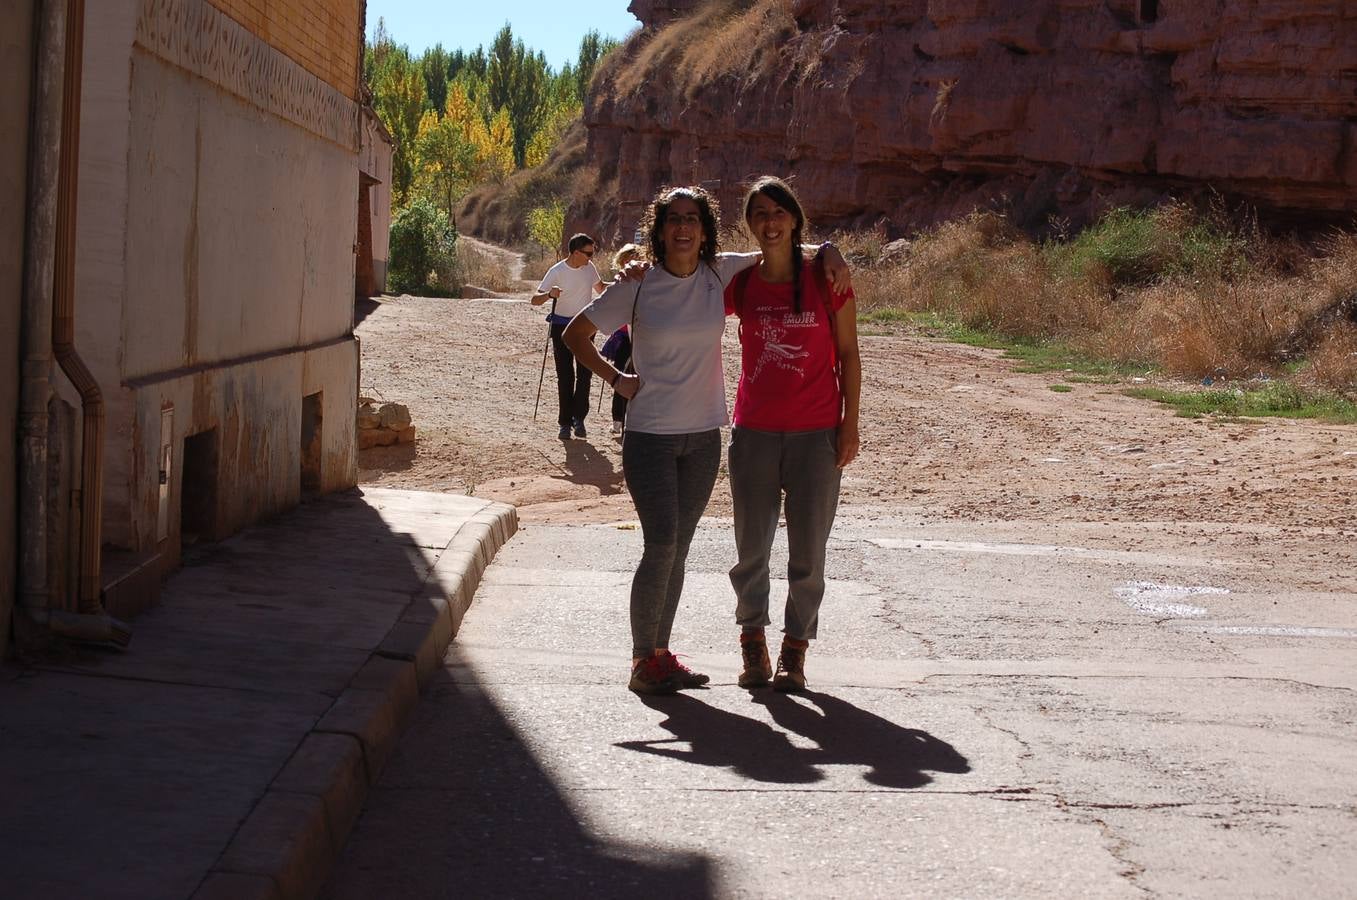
(616, 376)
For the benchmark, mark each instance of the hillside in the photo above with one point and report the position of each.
(917, 111)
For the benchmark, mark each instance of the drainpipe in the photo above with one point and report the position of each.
(36, 316)
(89, 622)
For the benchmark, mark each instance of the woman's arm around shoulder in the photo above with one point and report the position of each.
(850, 379)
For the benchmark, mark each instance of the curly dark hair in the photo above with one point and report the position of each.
(708, 209)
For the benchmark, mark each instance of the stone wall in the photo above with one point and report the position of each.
(914, 111)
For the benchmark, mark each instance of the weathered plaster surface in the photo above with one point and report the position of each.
(256, 408)
(217, 220)
(244, 228)
(16, 58)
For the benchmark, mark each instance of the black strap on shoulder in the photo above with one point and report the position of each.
(631, 360)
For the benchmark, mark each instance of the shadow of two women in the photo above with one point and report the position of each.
(586, 464)
(843, 734)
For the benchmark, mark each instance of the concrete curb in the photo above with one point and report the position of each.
(290, 840)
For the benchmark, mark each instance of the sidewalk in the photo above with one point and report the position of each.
(229, 751)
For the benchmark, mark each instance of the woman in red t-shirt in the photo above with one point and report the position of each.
(796, 427)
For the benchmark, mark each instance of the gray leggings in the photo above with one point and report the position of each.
(670, 477)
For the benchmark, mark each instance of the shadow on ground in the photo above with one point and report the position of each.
(364, 307)
(484, 820)
(584, 464)
(844, 734)
(395, 458)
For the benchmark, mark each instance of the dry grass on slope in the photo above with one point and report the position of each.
(721, 38)
(1184, 294)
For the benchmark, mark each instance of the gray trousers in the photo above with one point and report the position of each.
(670, 477)
(764, 465)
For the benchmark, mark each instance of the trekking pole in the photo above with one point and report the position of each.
(542, 377)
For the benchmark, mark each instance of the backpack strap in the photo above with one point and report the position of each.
(740, 285)
(827, 300)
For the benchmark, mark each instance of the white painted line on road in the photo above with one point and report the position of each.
(1005, 548)
(1008, 549)
(1275, 630)
(1161, 599)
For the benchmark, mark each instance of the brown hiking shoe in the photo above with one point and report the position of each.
(791, 669)
(683, 676)
(652, 676)
(757, 669)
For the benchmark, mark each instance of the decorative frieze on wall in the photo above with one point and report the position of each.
(195, 36)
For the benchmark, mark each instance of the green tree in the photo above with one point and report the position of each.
(434, 66)
(517, 80)
(399, 100)
(592, 50)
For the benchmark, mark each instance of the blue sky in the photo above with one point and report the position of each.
(555, 28)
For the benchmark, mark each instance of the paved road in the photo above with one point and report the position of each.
(1093, 715)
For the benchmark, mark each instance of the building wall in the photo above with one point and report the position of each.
(217, 219)
(16, 58)
(256, 409)
(374, 159)
(322, 35)
(244, 227)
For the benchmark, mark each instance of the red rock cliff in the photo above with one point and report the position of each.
(914, 111)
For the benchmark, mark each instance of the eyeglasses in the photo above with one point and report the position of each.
(588, 253)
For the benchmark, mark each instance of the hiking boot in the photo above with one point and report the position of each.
(579, 428)
(791, 669)
(564, 433)
(757, 669)
(683, 676)
(652, 676)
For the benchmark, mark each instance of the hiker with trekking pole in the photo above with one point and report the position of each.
(570, 285)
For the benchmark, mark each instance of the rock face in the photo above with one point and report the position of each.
(902, 113)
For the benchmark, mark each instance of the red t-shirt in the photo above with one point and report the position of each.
(787, 366)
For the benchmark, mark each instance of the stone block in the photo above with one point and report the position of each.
(396, 678)
(286, 838)
(421, 643)
(375, 437)
(373, 719)
(329, 766)
(394, 416)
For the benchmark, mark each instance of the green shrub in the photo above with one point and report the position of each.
(422, 249)
(1136, 247)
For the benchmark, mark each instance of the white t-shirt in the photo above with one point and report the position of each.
(675, 344)
(577, 286)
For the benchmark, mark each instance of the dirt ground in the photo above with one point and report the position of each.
(948, 433)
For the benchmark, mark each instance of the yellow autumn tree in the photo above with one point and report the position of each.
(499, 147)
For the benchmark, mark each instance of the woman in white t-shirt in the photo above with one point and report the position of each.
(671, 450)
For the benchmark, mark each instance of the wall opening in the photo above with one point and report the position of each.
(364, 272)
(311, 444)
(198, 491)
(1149, 10)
